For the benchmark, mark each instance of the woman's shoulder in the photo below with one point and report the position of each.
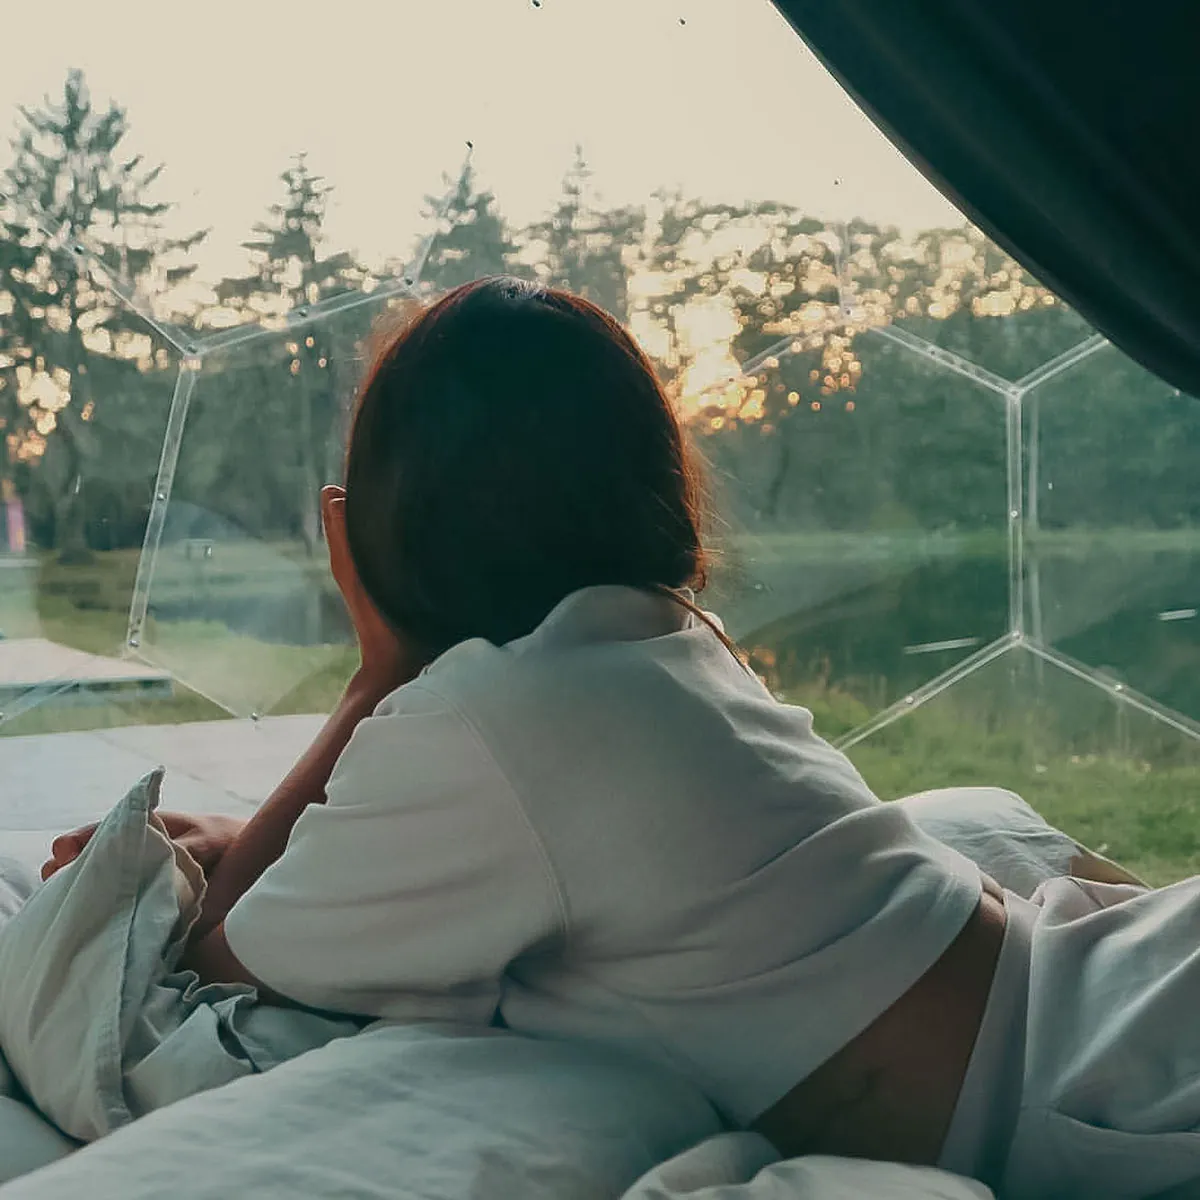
(415, 717)
(610, 659)
(420, 741)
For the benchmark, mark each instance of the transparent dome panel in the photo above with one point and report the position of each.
(1097, 763)
(85, 389)
(864, 488)
(241, 604)
(845, 349)
(1112, 557)
(239, 598)
(965, 295)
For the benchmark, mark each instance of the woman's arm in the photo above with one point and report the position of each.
(388, 661)
(408, 893)
(263, 838)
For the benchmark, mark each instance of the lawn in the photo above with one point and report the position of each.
(1115, 779)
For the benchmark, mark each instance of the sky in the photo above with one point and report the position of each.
(717, 97)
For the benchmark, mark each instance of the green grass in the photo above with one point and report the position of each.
(1112, 778)
(1146, 818)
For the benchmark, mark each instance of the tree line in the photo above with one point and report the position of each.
(762, 321)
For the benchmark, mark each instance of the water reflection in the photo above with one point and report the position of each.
(878, 632)
(1129, 612)
(880, 638)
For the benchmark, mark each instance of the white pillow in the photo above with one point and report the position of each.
(94, 1022)
(27, 1140)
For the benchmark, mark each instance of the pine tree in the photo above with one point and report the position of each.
(472, 239)
(582, 247)
(288, 269)
(76, 365)
(298, 405)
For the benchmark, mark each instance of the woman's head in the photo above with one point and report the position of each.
(512, 445)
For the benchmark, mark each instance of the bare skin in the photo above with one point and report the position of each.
(890, 1093)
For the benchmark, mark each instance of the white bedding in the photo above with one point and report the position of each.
(100, 1030)
(416, 1113)
(744, 1166)
(96, 1021)
(447, 1114)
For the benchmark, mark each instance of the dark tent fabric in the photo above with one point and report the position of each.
(1066, 129)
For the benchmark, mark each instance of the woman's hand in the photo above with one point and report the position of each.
(205, 838)
(387, 660)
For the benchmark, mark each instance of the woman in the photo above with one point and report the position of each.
(553, 797)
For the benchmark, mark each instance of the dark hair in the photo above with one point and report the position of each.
(512, 445)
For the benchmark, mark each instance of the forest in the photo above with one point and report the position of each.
(764, 322)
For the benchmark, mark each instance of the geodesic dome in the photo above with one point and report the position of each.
(953, 519)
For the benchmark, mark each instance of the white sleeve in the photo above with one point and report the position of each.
(410, 891)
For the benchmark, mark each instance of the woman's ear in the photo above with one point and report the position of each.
(387, 661)
(333, 516)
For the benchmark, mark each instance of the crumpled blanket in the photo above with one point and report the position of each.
(97, 1024)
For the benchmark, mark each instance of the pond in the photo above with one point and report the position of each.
(879, 627)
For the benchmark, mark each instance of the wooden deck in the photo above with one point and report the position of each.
(29, 664)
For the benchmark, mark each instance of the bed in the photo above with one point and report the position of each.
(430, 1112)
